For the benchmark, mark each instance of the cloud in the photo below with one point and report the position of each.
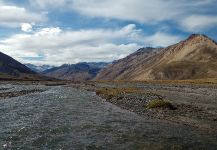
(13, 16)
(43, 4)
(196, 23)
(162, 39)
(141, 11)
(56, 46)
(26, 27)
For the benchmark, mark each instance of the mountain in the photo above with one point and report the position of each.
(124, 68)
(9, 67)
(39, 69)
(193, 58)
(76, 72)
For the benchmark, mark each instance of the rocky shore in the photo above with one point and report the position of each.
(196, 114)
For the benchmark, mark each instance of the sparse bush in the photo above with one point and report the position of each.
(159, 103)
(117, 91)
(109, 93)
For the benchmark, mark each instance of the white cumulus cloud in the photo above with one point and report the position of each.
(26, 27)
(13, 16)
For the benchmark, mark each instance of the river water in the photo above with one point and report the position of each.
(65, 118)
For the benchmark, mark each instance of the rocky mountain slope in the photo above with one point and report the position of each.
(76, 72)
(124, 68)
(193, 58)
(9, 67)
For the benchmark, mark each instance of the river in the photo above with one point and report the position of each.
(64, 118)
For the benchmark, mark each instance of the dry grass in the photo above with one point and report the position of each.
(109, 93)
(196, 81)
(117, 91)
(159, 103)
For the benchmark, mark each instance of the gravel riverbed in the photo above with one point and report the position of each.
(65, 117)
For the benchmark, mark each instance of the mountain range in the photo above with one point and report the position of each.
(39, 69)
(76, 72)
(193, 58)
(12, 69)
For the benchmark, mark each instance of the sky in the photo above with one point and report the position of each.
(56, 32)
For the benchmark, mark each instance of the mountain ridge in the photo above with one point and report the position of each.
(38, 68)
(76, 72)
(193, 58)
(11, 68)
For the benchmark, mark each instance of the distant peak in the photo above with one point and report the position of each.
(193, 36)
(199, 38)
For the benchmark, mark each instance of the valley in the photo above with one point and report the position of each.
(154, 98)
(108, 75)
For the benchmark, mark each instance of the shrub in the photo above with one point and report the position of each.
(116, 91)
(109, 93)
(159, 103)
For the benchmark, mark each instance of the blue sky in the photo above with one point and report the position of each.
(69, 31)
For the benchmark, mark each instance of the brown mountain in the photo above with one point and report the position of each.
(76, 72)
(193, 58)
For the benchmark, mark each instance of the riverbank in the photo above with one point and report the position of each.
(191, 105)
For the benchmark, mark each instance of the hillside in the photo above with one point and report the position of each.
(75, 72)
(124, 68)
(10, 68)
(193, 58)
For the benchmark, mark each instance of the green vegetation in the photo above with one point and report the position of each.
(159, 103)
